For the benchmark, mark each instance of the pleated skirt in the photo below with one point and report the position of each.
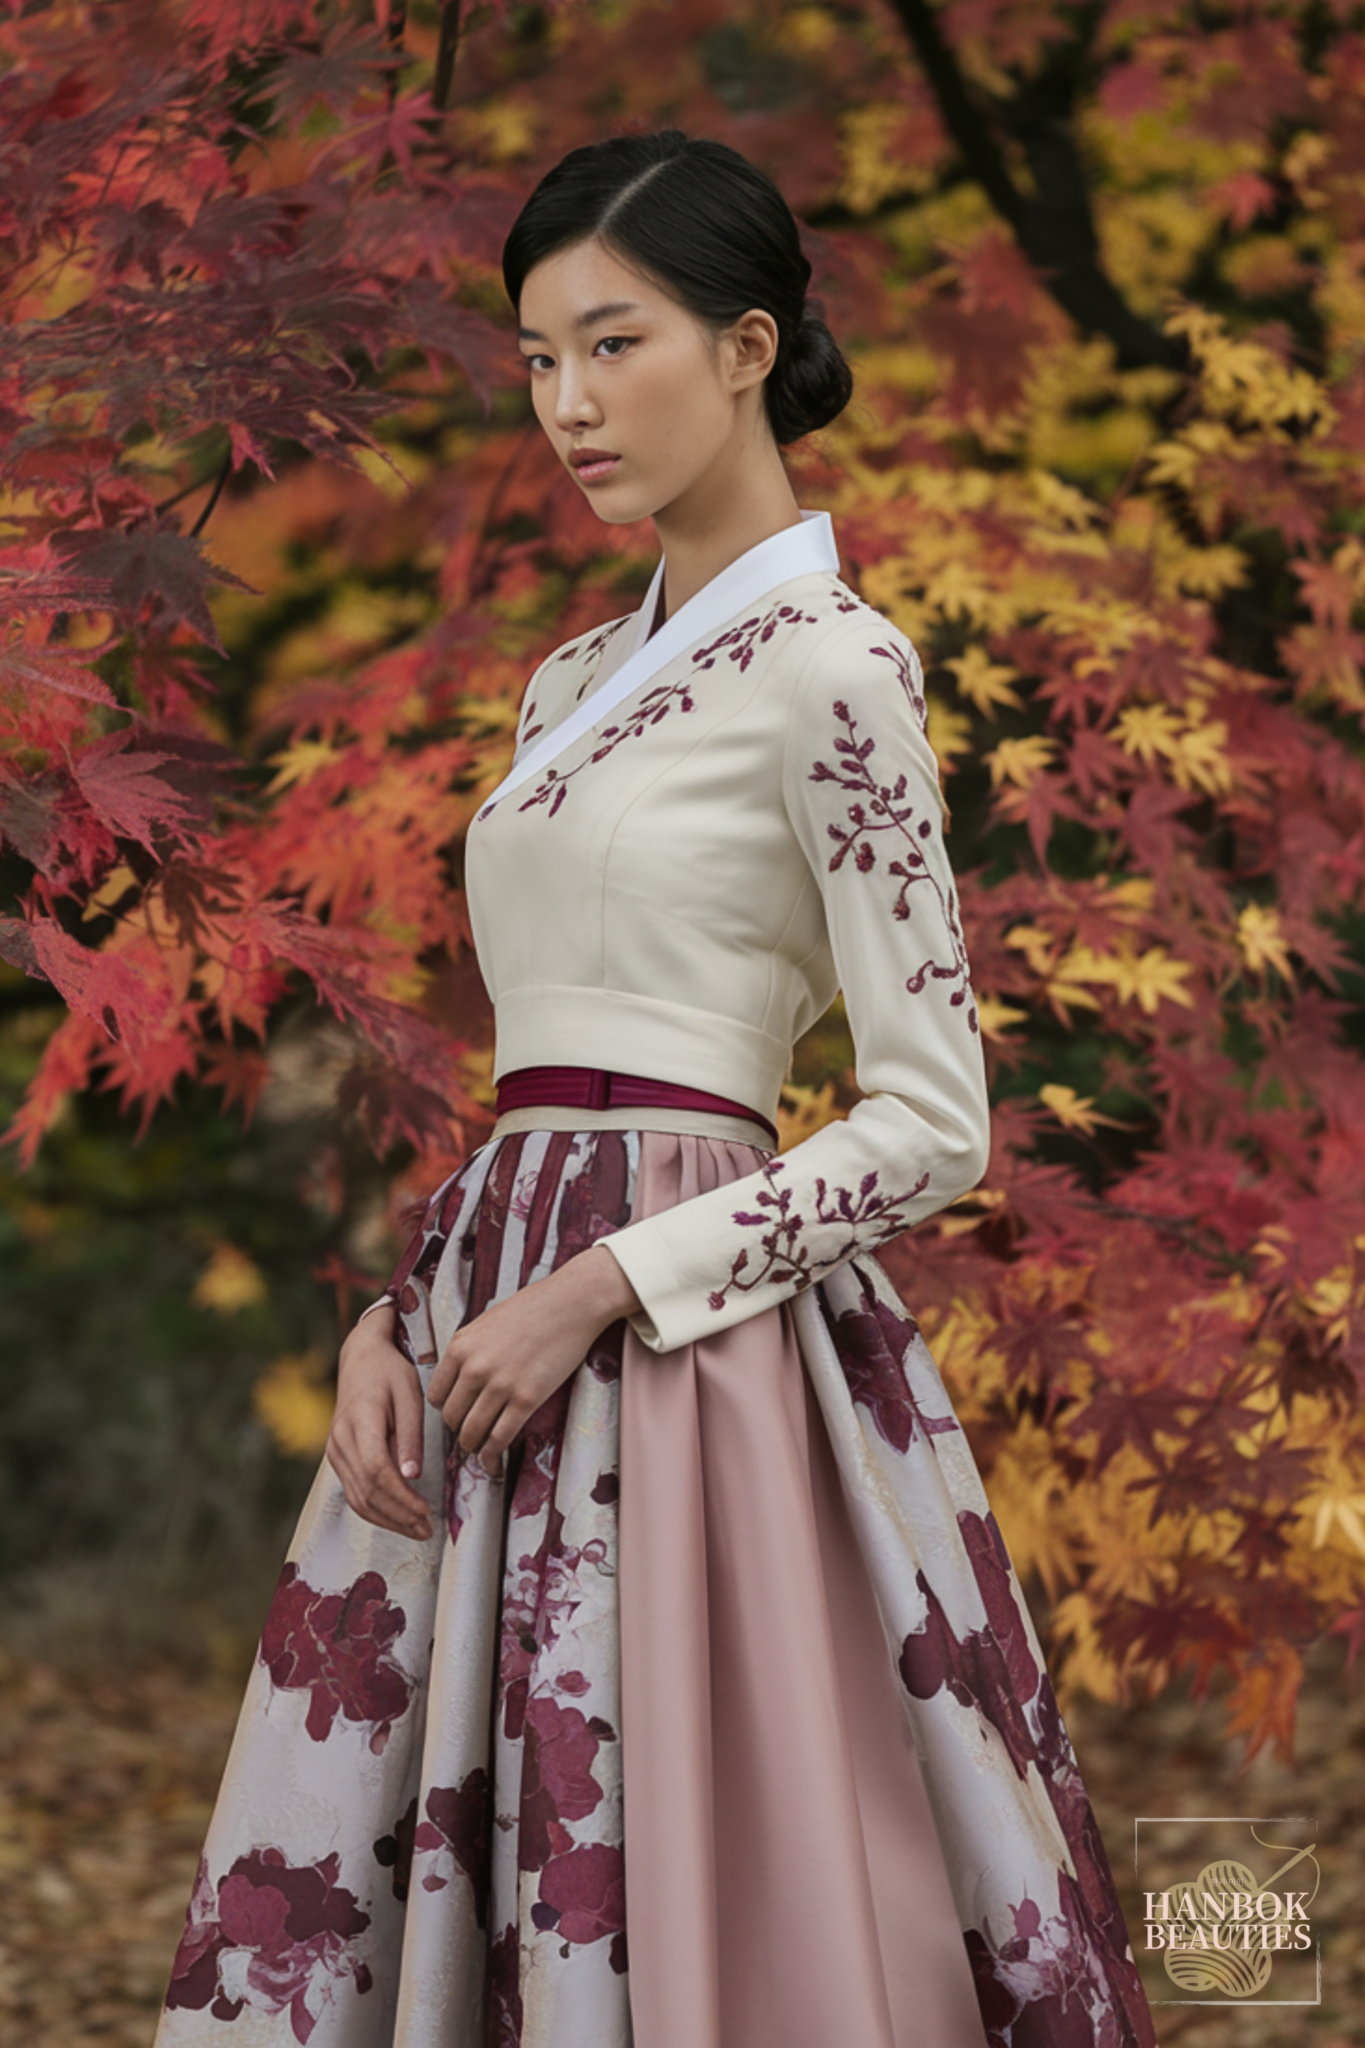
(716, 1721)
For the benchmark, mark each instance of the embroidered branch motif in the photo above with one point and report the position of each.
(862, 1220)
(738, 645)
(652, 708)
(742, 642)
(911, 679)
(879, 808)
(906, 664)
(595, 649)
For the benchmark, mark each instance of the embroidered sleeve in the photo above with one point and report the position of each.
(862, 796)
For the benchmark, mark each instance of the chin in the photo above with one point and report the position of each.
(619, 513)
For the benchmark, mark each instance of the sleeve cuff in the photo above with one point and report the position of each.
(651, 1272)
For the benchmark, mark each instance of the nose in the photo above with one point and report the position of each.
(575, 407)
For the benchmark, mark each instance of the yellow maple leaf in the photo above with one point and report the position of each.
(983, 682)
(230, 1281)
(948, 732)
(1075, 1111)
(1262, 941)
(1199, 759)
(1143, 978)
(995, 1017)
(1035, 942)
(300, 761)
(295, 1404)
(1020, 761)
(1148, 730)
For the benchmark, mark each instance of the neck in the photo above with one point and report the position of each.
(743, 499)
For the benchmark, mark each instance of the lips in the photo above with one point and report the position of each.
(591, 465)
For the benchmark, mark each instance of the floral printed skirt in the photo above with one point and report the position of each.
(717, 1721)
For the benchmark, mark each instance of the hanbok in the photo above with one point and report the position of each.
(718, 1719)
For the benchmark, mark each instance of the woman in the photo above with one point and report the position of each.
(649, 1587)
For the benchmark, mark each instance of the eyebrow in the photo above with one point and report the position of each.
(588, 319)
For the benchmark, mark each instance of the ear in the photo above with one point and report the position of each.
(752, 348)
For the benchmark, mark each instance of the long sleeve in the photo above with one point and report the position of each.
(861, 791)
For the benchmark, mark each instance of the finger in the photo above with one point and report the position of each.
(378, 1484)
(408, 1426)
(447, 1372)
(500, 1438)
(471, 1387)
(482, 1416)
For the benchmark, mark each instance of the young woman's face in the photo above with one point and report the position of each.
(640, 399)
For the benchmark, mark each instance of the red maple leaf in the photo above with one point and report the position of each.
(151, 567)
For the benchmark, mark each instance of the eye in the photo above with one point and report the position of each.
(614, 344)
(538, 362)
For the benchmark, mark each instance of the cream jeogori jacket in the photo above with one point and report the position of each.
(679, 892)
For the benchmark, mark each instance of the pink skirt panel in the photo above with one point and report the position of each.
(785, 1886)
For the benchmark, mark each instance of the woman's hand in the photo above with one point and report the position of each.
(375, 1442)
(498, 1369)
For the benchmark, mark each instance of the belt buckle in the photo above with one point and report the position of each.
(599, 1088)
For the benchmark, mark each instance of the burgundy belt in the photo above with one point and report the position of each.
(596, 1088)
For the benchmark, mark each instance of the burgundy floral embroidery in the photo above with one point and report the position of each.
(274, 1936)
(741, 643)
(738, 644)
(861, 1220)
(593, 650)
(879, 808)
(652, 709)
(911, 678)
(459, 1822)
(335, 1647)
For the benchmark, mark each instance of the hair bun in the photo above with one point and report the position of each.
(810, 383)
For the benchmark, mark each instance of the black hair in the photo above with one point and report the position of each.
(714, 231)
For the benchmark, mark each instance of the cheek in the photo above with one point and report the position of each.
(681, 405)
(543, 402)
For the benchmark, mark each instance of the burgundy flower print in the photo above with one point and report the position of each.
(972, 1667)
(394, 1851)
(505, 2013)
(871, 1343)
(992, 1668)
(1050, 1984)
(557, 1784)
(274, 1936)
(538, 1604)
(861, 1220)
(583, 1897)
(335, 1647)
(877, 809)
(459, 1821)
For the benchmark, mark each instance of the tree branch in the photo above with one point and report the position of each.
(1055, 226)
(447, 49)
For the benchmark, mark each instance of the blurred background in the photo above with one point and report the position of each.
(280, 544)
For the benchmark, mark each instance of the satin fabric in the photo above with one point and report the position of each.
(785, 1885)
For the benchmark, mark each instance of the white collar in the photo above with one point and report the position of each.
(796, 551)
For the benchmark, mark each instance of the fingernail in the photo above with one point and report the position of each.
(409, 1468)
